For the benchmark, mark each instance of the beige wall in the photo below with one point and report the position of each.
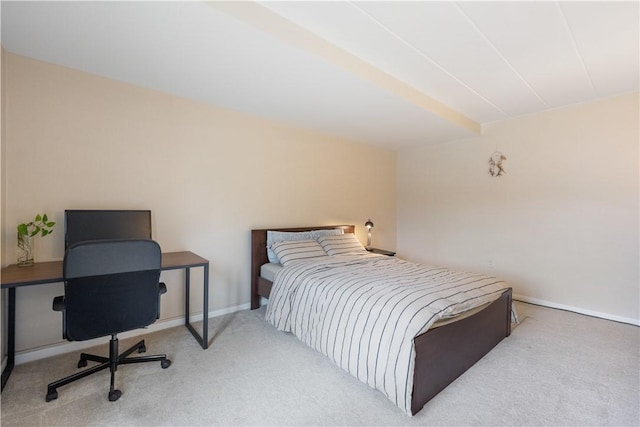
(209, 175)
(561, 225)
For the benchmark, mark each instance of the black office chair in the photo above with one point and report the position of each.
(110, 286)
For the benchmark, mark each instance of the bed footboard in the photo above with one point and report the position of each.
(445, 353)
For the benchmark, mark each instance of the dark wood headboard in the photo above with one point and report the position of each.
(259, 256)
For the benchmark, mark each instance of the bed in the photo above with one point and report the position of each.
(439, 355)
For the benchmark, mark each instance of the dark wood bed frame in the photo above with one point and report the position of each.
(442, 354)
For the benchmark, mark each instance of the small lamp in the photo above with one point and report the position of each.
(369, 226)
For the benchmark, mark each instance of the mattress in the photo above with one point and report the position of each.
(269, 271)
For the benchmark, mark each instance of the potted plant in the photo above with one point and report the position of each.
(26, 232)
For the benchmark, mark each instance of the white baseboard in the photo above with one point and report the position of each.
(67, 347)
(607, 316)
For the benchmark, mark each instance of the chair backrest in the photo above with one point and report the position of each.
(111, 286)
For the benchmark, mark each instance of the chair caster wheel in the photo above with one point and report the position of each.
(165, 363)
(114, 395)
(82, 363)
(51, 395)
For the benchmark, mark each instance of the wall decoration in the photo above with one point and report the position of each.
(495, 164)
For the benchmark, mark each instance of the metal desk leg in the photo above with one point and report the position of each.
(11, 337)
(205, 308)
(204, 339)
(187, 296)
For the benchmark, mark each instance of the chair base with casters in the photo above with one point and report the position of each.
(112, 362)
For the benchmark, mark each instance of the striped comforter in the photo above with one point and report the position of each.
(363, 311)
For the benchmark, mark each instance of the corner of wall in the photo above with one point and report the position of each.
(3, 157)
(3, 192)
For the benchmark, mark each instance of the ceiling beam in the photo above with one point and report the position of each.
(264, 19)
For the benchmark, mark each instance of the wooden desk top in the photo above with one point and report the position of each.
(175, 260)
(39, 273)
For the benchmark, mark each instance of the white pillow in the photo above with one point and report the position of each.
(275, 236)
(289, 251)
(315, 234)
(344, 244)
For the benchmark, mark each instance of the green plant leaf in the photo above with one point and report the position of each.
(40, 225)
(22, 229)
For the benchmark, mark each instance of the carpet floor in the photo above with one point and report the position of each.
(557, 368)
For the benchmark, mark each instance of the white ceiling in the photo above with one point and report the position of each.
(388, 73)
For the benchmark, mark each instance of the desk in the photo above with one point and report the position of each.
(42, 273)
